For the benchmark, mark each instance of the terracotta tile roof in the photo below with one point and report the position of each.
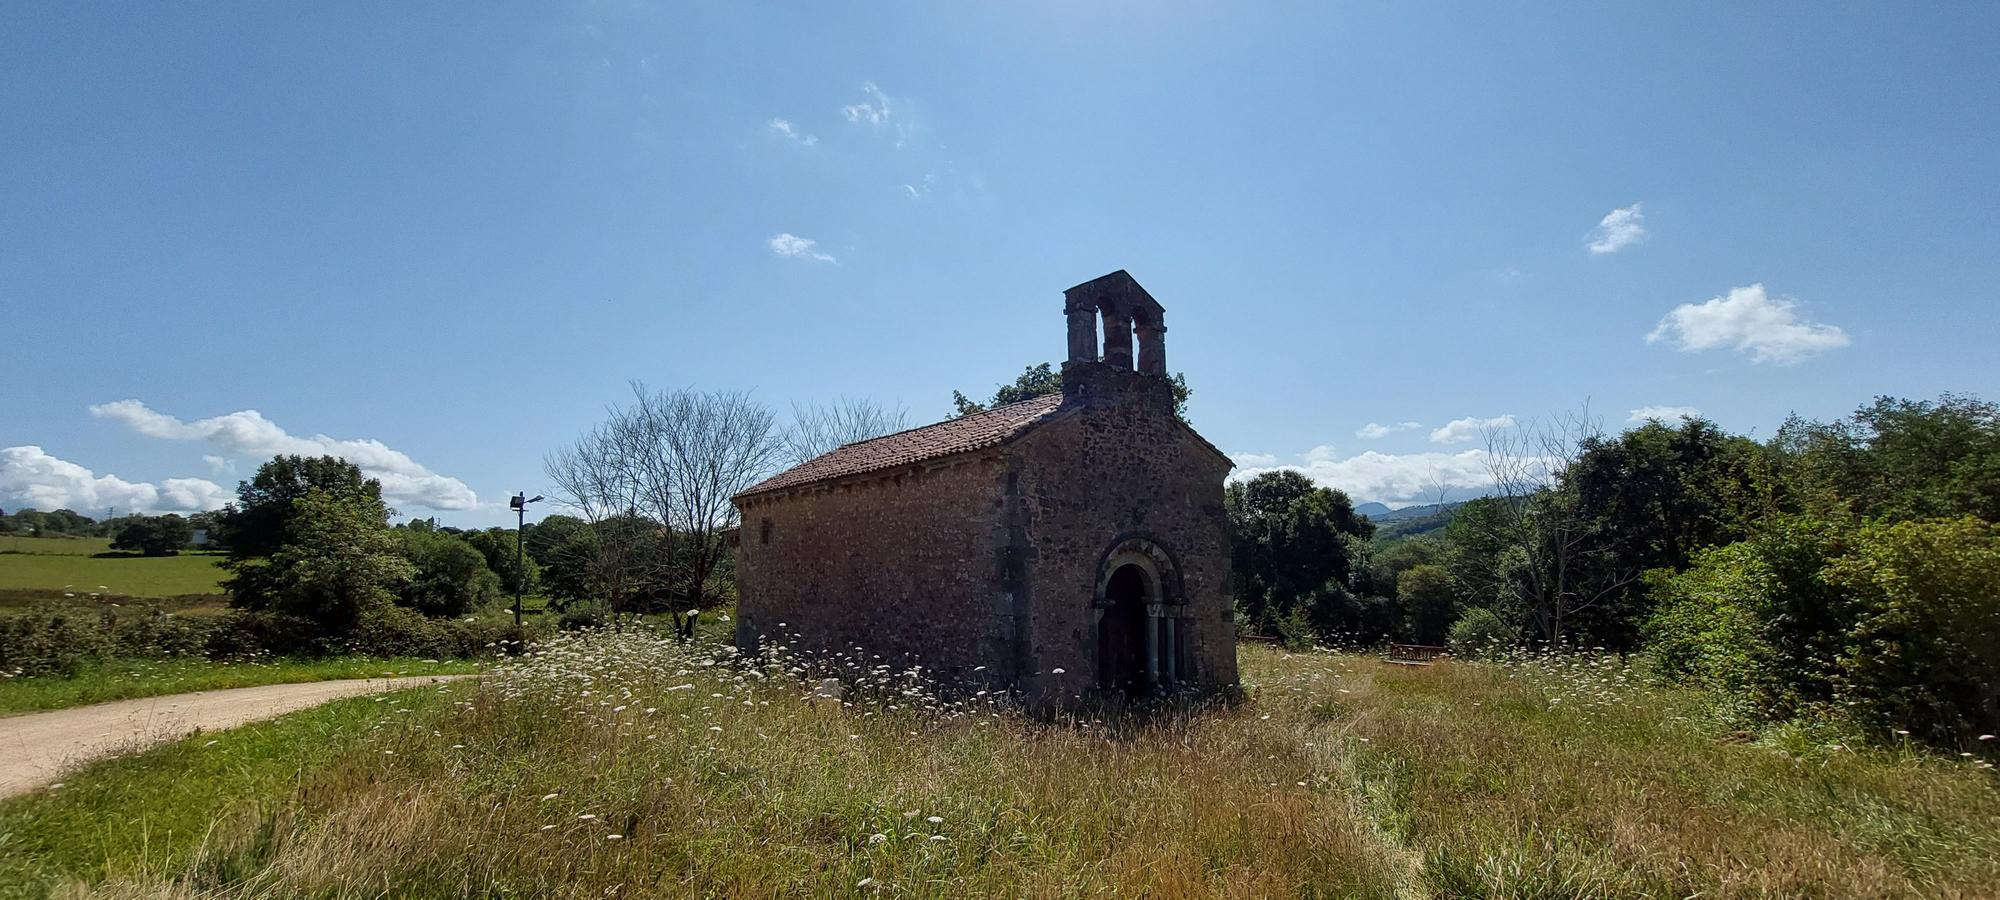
(973, 432)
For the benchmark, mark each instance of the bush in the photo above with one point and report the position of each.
(451, 575)
(160, 634)
(1479, 632)
(242, 634)
(1924, 652)
(577, 616)
(50, 644)
(1896, 623)
(397, 631)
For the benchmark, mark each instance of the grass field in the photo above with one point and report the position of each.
(621, 766)
(66, 566)
(125, 679)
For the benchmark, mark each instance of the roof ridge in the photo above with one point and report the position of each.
(961, 418)
(948, 437)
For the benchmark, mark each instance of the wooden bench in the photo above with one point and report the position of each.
(1414, 654)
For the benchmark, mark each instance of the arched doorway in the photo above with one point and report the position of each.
(1121, 632)
(1140, 606)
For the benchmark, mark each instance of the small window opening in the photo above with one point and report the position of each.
(764, 531)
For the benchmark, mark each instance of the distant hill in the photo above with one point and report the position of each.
(1391, 524)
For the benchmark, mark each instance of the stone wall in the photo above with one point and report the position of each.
(907, 564)
(1120, 465)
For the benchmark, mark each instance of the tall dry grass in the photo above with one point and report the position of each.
(622, 765)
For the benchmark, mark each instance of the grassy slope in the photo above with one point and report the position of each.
(1342, 777)
(123, 679)
(65, 565)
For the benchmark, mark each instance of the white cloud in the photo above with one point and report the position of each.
(784, 129)
(247, 433)
(1459, 431)
(1389, 477)
(219, 465)
(1768, 328)
(788, 244)
(1666, 414)
(1374, 432)
(1253, 460)
(1620, 228)
(31, 477)
(873, 108)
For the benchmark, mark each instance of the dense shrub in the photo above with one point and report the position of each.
(451, 577)
(1479, 632)
(159, 634)
(1897, 624)
(1924, 649)
(44, 644)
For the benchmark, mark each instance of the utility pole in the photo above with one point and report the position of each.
(520, 503)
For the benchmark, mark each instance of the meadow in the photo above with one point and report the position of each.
(622, 764)
(81, 567)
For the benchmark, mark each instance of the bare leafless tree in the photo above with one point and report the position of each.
(1559, 547)
(818, 428)
(671, 459)
(595, 478)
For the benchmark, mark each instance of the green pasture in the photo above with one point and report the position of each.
(84, 566)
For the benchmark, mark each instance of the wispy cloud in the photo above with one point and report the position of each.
(874, 108)
(784, 129)
(30, 477)
(1666, 414)
(1767, 328)
(1620, 228)
(247, 433)
(1459, 431)
(788, 244)
(1253, 460)
(1374, 431)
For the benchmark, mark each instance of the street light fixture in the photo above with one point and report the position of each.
(519, 504)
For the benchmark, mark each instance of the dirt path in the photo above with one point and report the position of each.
(37, 747)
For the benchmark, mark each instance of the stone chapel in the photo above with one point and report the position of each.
(1069, 545)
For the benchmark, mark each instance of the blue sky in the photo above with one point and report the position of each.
(442, 237)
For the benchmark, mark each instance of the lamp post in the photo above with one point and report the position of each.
(519, 504)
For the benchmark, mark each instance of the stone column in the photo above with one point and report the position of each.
(1152, 349)
(1082, 333)
(1152, 646)
(1173, 650)
(1118, 340)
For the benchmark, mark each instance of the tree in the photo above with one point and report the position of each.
(1041, 380)
(1426, 604)
(154, 535)
(517, 570)
(655, 483)
(1564, 565)
(817, 429)
(1293, 540)
(336, 562)
(258, 523)
(450, 576)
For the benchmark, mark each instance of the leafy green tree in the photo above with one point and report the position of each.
(259, 523)
(451, 577)
(1899, 459)
(1923, 652)
(515, 568)
(336, 563)
(544, 537)
(1426, 604)
(1041, 380)
(154, 535)
(1293, 541)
